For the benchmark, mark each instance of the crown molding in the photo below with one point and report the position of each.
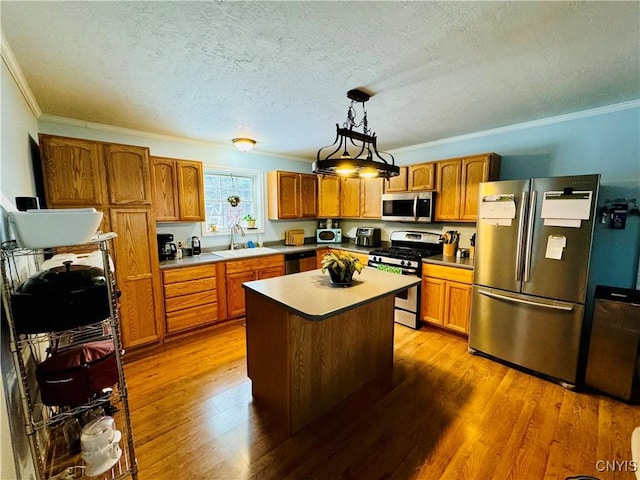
(525, 125)
(16, 72)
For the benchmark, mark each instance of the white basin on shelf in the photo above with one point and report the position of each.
(245, 252)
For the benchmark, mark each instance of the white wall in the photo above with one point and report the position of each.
(18, 123)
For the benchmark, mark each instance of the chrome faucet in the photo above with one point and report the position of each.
(236, 228)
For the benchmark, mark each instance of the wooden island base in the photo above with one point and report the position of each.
(301, 368)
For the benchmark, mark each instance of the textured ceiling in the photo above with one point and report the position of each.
(278, 72)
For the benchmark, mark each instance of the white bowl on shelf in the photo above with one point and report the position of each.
(55, 227)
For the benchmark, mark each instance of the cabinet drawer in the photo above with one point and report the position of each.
(252, 264)
(192, 317)
(463, 275)
(189, 301)
(193, 286)
(189, 273)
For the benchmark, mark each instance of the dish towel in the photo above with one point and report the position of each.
(390, 269)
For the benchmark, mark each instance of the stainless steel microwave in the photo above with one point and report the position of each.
(408, 207)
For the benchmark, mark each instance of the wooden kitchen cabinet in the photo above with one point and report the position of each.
(397, 183)
(178, 190)
(457, 182)
(291, 195)
(328, 197)
(115, 179)
(128, 175)
(320, 252)
(191, 297)
(422, 176)
(446, 296)
(138, 275)
(73, 171)
(350, 197)
(371, 198)
(239, 271)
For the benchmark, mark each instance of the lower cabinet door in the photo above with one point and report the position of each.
(235, 292)
(457, 306)
(433, 295)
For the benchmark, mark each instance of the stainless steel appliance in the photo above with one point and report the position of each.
(404, 256)
(408, 207)
(166, 248)
(531, 269)
(367, 237)
(295, 262)
(613, 364)
(329, 235)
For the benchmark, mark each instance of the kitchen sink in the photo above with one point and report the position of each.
(245, 252)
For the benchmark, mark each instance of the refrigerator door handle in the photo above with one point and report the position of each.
(529, 242)
(521, 226)
(555, 305)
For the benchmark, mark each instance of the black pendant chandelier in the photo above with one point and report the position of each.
(355, 154)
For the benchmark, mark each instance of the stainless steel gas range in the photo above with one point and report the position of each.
(404, 257)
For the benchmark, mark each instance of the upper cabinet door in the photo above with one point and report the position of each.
(288, 195)
(329, 197)
(128, 174)
(371, 204)
(422, 176)
(448, 182)
(350, 197)
(191, 191)
(397, 183)
(164, 176)
(308, 195)
(73, 172)
(475, 170)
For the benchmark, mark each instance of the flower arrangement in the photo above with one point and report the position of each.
(341, 267)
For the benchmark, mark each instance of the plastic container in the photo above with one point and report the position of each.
(56, 227)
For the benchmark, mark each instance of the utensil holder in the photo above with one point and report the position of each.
(449, 249)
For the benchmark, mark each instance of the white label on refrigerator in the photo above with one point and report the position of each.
(574, 206)
(555, 246)
(498, 207)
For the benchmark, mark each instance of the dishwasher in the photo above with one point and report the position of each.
(613, 364)
(299, 261)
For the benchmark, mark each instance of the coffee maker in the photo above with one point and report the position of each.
(166, 248)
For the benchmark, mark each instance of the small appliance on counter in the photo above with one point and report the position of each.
(367, 237)
(329, 235)
(195, 246)
(167, 250)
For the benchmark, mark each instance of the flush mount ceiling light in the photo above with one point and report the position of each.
(355, 154)
(243, 144)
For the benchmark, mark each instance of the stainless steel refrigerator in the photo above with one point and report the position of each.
(533, 246)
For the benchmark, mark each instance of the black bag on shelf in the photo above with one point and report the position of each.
(73, 376)
(60, 298)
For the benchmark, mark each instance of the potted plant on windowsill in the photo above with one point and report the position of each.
(250, 219)
(341, 267)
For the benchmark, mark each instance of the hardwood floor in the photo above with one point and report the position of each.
(445, 414)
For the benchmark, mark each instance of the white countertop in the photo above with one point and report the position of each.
(311, 295)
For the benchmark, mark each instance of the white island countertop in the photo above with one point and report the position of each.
(311, 295)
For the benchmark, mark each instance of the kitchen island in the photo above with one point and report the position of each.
(310, 345)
